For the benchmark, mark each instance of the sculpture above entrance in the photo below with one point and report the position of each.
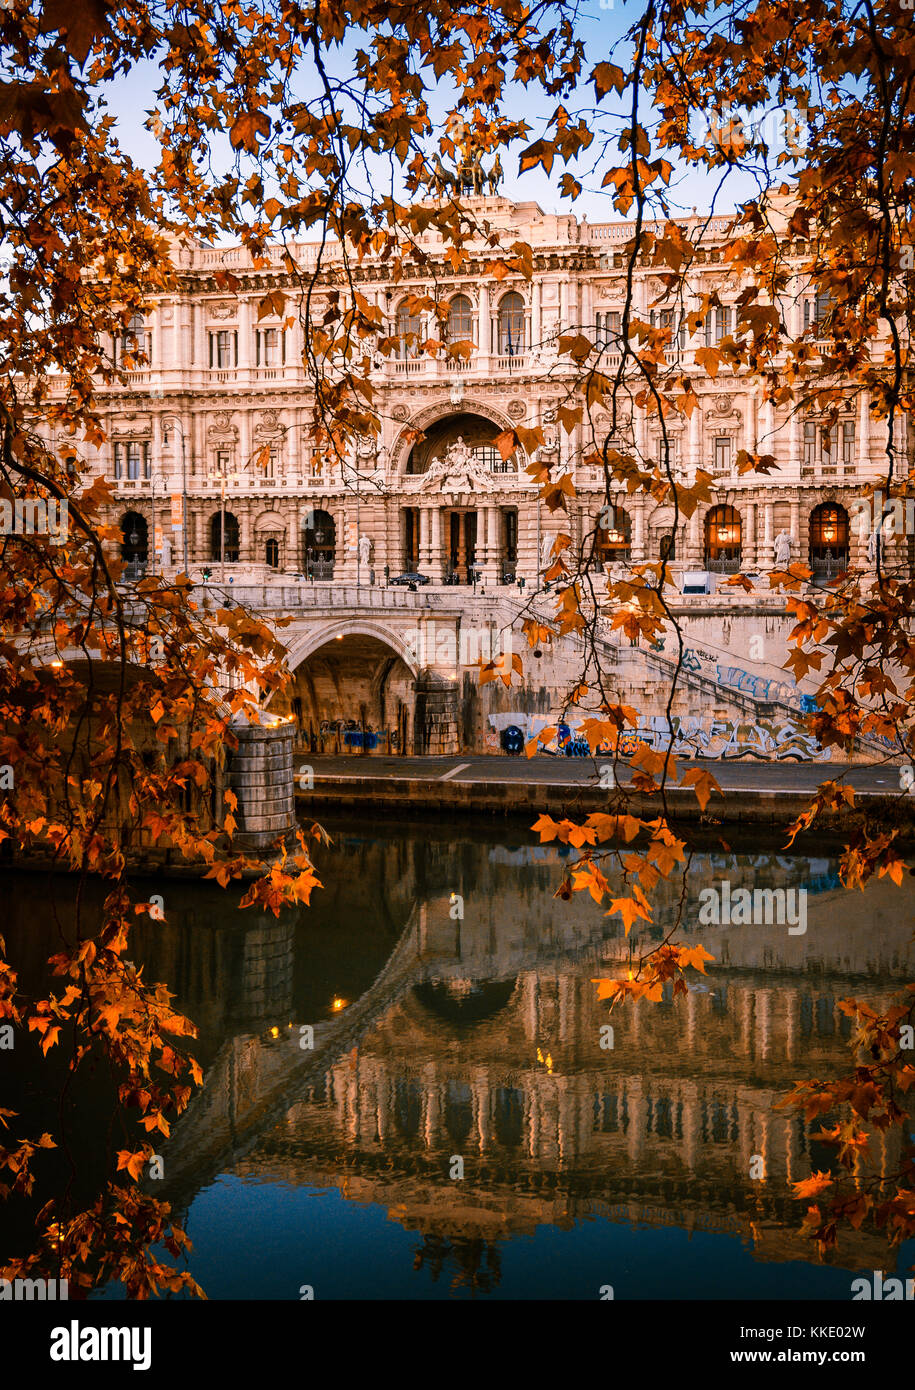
(457, 470)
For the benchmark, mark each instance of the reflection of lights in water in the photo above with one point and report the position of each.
(547, 1061)
(337, 1003)
(274, 1032)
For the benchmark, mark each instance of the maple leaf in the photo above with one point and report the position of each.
(812, 1186)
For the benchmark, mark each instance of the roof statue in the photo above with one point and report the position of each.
(470, 176)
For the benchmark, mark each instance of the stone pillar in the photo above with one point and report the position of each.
(425, 555)
(767, 536)
(795, 447)
(485, 556)
(694, 556)
(638, 531)
(695, 440)
(798, 543)
(536, 319)
(749, 556)
(294, 560)
(484, 328)
(261, 776)
(245, 334)
(863, 442)
(437, 562)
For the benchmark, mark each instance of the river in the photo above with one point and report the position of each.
(411, 1092)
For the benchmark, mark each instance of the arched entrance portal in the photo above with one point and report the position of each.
(353, 693)
(455, 528)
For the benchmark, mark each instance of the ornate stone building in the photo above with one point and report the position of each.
(217, 425)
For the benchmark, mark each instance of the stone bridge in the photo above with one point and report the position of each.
(386, 670)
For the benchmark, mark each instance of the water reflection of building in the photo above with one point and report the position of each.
(552, 1128)
(481, 1038)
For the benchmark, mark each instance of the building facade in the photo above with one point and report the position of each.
(212, 462)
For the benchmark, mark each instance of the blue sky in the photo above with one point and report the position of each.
(602, 23)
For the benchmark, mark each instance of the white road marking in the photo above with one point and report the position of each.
(454, 771)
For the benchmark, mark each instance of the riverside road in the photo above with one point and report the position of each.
(877, 779)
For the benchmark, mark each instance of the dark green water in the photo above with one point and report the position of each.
(458, 1129)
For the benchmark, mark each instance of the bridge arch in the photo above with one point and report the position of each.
(307, 643)
(354, 687)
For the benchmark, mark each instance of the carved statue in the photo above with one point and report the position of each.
(365, 550)
(873, 547)
(495, 175)
(442, 181)
(457, 455)
(166, 551)
(546, 552)
(782, 549)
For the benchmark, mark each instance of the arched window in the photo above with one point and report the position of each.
(319, 538)
(511, 326)
(460, 319)
(612, 543)
(828, 539)
(134, 538)
(231, 538)
(723, 531)
(133, 341)
(409, 332)
(272, 553)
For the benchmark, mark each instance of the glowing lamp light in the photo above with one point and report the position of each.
(274, 1032)
(337, 1003)
(57, 665)
(829, 534)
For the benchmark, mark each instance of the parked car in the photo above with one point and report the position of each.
(410, 578)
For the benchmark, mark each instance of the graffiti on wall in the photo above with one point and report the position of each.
(698, 661)
(693, 736)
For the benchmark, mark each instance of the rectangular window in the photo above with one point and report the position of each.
(810, 444)
(137, 460)
(224, 348)
(817, 308)
(848, 441)
(270, 344)
(717, 325)
(608, 329)
(118, 460)
(821, 448)
(672, 445)
(722, 453)
(134, 342)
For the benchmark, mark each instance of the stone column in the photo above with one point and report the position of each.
(425, 555)
(767, 536)
(695, 440)
(798, 542)
(795, 447)
(749, 557)
(261, 775)
(294, 560)
(486, 549)
(536, 320)
(694, 556)
(863, 442)
(245, 334)
(437, 561)
(638, 532)
(484, 328)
